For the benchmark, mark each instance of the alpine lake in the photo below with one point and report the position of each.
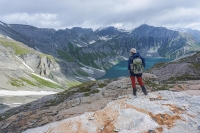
(121, 69)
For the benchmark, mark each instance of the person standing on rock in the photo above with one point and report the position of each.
(135, 66)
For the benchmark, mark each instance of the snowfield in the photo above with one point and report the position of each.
(24, 93)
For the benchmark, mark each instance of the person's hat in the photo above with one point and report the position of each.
(133, 50)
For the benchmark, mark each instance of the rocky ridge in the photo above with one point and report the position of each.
(166, 113)
(78, 99)
(187, 68)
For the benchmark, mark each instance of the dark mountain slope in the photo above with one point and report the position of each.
(183, 69)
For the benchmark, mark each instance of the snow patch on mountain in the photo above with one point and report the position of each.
(24, 93)
(91, 78)
(106, 38)
(87, 70)
(91, 68)
(124, 57)
(4, 36)
(179, 29)
(113, 62)
(2, 23)
(93, 41)
(45, 78)
(24, 63)
(79, 45)
(153, 49)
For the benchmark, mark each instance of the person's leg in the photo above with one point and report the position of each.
(139, 79)
(133, 84)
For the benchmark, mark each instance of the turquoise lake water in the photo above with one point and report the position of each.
(121, 69)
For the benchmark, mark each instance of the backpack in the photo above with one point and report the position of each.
(137, 66)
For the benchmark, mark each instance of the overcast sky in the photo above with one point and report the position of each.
(123, 14)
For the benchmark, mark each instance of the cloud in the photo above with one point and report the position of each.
(42, 20)
(125, 14)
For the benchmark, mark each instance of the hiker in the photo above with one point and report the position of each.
(135, 66)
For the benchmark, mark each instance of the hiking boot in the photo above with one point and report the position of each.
(134, 91)
(144, 90)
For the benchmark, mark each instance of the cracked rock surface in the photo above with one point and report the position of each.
(171, 112)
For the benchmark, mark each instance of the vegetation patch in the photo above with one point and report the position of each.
(72, 83)
(196, 66)
(156, 87)
(19, 50)
(82, 73)
(88, 59)
(65, 55)
(16, 82)
(5, 116)
(28, 81)
(48, 56)
(45, 82)
(157, 65)
(19, 82)
(184, 77)
(71, 46)
(91, 92)
(85, 87)
(101, 85)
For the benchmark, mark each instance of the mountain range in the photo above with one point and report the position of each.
(79, 47)
(69, 56)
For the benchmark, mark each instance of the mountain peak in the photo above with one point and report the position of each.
(2, 23)
(106, 28)
(80, 28)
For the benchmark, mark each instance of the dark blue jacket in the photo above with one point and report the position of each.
(133, 56)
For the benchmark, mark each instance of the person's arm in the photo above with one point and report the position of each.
(143, 62)
(129, 62)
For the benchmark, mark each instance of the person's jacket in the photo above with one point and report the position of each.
(131, 58)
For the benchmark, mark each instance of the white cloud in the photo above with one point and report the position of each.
(125, 14)
(41, 20)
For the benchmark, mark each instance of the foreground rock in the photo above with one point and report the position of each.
(94, 96)
(76, 101)
(162, 111)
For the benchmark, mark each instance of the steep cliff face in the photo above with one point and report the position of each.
(86, 35)
(19, 84)
(23, 57)
(108, 32)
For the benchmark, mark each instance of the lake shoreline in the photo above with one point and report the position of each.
(121, 68)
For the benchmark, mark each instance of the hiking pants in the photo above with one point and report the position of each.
(139, 79)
